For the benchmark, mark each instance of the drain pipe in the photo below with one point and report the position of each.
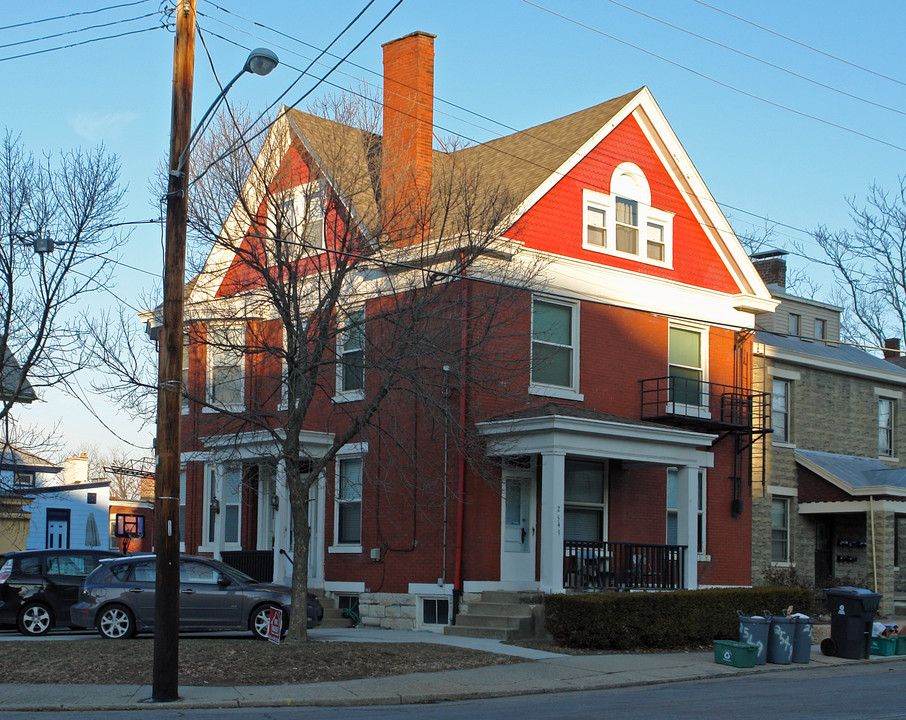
(874, 550)
(463, 384)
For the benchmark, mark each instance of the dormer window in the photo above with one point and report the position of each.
(624, 223)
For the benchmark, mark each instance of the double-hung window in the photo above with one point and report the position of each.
(624, 223)
(554, 346)
(886, 410)
(672, 509)
(585, 498)
(226, 365)
(795, 324)
(351, 357)
(780, 410)
(297, 218)
(349, 502)
(780, 530)
(686, 367)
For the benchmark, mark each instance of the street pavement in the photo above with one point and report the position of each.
(542, 672)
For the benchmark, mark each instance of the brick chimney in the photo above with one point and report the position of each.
(891, 348)
(408, 132)
(771, 265)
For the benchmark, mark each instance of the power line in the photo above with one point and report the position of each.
(702, 75)
(77, 44)
(758, 59)
(802, 44)
(75, 14)
(78, 30)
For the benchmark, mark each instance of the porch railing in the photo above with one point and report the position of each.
(258, 564)
(590, 565)
(692, 401)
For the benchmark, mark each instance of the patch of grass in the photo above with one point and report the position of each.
(230, 661)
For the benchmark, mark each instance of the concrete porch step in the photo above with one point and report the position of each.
(494, 622)
(486, 633)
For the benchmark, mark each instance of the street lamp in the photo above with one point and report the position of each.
(165, 672)
(259, 62)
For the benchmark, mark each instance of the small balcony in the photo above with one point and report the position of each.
(706, 405)
(599, 566)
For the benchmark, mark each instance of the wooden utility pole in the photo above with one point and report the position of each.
(165, 672)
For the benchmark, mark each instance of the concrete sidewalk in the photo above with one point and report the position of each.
(541, 673)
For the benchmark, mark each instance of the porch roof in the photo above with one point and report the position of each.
(560, 429)
(856, 476)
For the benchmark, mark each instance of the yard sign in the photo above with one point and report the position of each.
(276, 622)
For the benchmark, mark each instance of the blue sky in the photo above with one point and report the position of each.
(781, 133)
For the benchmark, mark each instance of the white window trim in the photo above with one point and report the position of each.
(420, 610)
(787, 442)
(785, 496)
(891, 457)
(207, 545)
(558, 391)
(337, 547)
(646, 214)
(700, 410)
(342, 396)
(209, 371)
(299, 197)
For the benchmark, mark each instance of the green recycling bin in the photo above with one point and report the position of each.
(852, 611)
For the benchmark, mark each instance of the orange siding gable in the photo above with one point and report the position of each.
(555, 223)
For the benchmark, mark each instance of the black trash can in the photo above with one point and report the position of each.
(852, 611)
(754, 630)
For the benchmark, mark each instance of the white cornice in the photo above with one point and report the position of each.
(841, 367)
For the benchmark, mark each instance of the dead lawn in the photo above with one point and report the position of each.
(230, 661)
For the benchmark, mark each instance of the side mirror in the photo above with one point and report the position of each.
(223, 580)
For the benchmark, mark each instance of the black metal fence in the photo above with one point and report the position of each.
(695, 400)
(589, 565)
(258, 564)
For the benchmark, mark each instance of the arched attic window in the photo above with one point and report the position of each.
(624, 223)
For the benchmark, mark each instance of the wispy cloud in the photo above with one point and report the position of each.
(98, 127)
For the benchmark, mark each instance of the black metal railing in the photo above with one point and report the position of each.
(258, 564)
(693, 401)
(590, 565)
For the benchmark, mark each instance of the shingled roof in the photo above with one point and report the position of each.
(517, 164)
(10, 374)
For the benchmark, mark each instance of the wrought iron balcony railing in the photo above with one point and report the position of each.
(690, 401)
(592, 566)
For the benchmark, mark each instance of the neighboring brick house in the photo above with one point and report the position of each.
(829, 483)
(624, 460)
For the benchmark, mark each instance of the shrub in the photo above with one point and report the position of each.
(663, 620)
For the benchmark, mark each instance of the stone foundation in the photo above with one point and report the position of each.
(388, 611)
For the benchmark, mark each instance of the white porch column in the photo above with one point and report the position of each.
(282, 568)
(553, 478)
(219, 471)
(687, 521)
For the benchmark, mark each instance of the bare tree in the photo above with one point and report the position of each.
(351, 307)
(57, 235)
(869, 266)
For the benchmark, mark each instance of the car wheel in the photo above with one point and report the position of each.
(116, 623)
(260, 621)
(35, 619)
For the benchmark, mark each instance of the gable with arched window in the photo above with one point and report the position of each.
(624, 223)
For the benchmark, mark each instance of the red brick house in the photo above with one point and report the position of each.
(622, 461)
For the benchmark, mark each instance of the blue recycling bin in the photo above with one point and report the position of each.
(780, 639)
(754, 630)
(802, 639)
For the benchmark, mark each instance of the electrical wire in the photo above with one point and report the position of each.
(759, 60)
(77, 30)
(735, 89)
(78, 44)
(802, 44)
(75, 14)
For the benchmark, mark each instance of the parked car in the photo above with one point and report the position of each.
(38, 587)
(118, 598)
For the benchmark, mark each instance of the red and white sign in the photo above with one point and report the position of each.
(275, 625)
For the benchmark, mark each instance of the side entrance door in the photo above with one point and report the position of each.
(518, 526)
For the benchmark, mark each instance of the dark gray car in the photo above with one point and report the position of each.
(118, 598)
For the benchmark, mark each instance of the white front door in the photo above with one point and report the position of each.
(57, 534)
(518, 529)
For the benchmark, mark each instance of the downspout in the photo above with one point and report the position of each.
(874, 550)
(460, 509)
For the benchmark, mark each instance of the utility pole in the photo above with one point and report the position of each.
(165, 671)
